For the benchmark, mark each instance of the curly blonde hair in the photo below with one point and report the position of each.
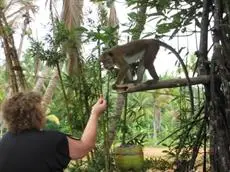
(23, 111)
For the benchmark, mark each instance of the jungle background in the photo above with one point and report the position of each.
(187, 118)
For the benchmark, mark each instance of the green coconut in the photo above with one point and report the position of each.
(129, 157)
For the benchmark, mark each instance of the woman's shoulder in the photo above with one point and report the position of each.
(53, 133)
(38, 134)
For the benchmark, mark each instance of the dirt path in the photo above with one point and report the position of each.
(153, 152)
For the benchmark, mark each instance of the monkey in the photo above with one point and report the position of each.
(133, 68)
(144, 53)
(139, 52)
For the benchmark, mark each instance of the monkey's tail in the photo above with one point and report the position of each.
(184, 69)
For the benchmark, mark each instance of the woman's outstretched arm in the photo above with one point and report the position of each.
(80, 148)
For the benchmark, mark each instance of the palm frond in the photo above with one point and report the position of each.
(22, 7)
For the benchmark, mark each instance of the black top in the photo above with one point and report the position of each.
(34, 151)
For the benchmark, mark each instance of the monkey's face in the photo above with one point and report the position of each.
(107, 61)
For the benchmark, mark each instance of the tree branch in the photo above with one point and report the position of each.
(151, 85)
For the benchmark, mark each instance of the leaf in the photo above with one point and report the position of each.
(132, 15)
(174, 33)
(164, 144)
(197, 23)
(82, 29)
(181, 49)
(155, 14)
(163, 28)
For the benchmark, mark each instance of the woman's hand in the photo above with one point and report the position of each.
(99, 107)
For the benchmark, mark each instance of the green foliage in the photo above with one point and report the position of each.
(3, 86)
(157, 164)
(52, 55)
(91, 165)
(52, 49)
(174, 16)
(29, 62)
(98, 0)
(177, 129)
(7, 30)
(137, 19)
(106, 35)
(137, 140)
(84, 94)
(61, 34)
(2, 4)
(65, 37)
(98, 163)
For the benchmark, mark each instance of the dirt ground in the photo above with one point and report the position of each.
(153, 152)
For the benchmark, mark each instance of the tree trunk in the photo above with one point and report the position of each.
(219, 105)
(217, 91)
(115, 119)
(47, 97)
(156, 121)
(16, 76)
(41, 80)
(25, 24)
(72, 16)
(140, 20)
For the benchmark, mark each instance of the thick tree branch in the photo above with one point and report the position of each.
(150, 85)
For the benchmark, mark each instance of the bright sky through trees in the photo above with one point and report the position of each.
(165, 62)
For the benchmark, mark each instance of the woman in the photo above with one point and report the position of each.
(28, 148)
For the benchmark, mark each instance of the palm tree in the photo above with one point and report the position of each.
(47, 97)
(72, 17)
(8, 17)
